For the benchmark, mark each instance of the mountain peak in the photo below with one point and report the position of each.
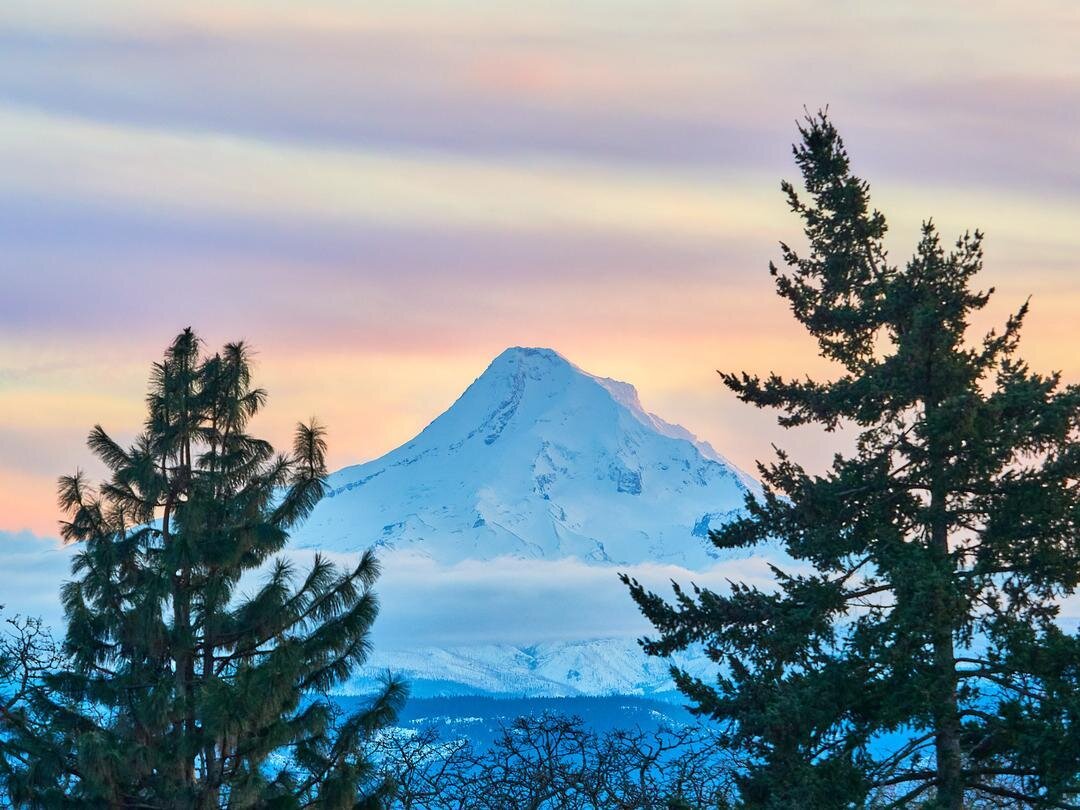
(537, 354)
(532, 361)
(537, 458)
(537, 364)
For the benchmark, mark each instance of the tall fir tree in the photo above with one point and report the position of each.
(911, 655)
(190, 684)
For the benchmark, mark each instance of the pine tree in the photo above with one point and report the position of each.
(192, 685)
(911, 654)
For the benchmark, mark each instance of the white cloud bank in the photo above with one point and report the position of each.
(506, 600)
(424, 603)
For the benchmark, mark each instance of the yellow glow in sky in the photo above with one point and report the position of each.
(382, 198)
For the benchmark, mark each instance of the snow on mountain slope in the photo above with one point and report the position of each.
(591, 668)
(537, 459)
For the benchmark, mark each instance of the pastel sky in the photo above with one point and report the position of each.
(381, 196)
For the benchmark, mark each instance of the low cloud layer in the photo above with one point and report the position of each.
(505, 600)
(519, 601)
(501, 601)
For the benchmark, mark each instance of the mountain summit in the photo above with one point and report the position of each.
(537, 459)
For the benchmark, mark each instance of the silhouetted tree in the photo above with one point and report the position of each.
(182, 691)
(555, 762)
(913, 655)
(28, 653)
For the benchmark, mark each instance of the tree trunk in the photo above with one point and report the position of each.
(950, 778)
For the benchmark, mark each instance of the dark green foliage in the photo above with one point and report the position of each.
(911, 654)
(190, 684)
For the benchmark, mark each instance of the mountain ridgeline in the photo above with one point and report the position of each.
(537, 459)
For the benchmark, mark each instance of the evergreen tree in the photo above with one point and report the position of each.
(192, 685)
(911, 653)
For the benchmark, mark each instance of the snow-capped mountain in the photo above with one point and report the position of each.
(541, 461)
(537, 459)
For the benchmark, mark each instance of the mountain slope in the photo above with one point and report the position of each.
(581, 668)
(537, 459)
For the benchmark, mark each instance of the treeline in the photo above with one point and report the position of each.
(556, 762)
(552, 761)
